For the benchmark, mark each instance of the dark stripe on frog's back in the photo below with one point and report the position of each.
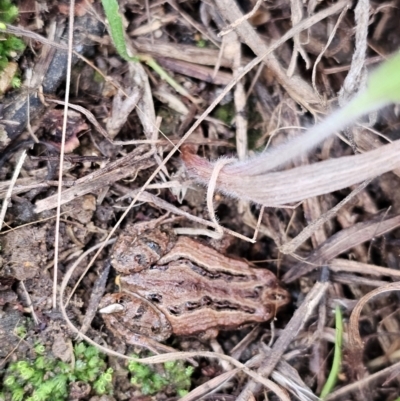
(209, 260)
(181, 280)
(201, 320)
(175, 272)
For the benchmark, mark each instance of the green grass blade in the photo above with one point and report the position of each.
(337, 356)
(117, 33)
(384, 82)
(166, 77)
(383, 88)
(116, 28)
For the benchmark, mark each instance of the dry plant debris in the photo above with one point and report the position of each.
(251, 77)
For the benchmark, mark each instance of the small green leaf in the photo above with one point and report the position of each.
(116, 28)
(116, 31)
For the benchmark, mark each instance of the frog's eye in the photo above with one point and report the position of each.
(153, 246)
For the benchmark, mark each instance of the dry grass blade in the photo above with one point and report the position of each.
(297, 184)
(370, 381)
(62, 150)
(341, 242)
(356, 345)
(351, 266)
(7, 197)
(182, 52)
(121, 168)
(293, 244)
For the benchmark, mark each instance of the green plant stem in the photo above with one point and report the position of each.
(337, 357)
(166, 77)
(116, 31)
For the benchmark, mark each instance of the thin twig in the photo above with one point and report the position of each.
(11, 186)
(62, 150)
(29, 301)
(210, 195)
(245, 17)
(294, 243)
(319, 58)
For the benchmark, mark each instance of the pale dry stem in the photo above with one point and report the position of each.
(62, 150)
(11, 186)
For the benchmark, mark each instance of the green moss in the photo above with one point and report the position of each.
(47, 378)
(201, 43)
(175, 378)
(8, 11)
(225, 113)
(97, 77)
(20, 331)
(10, 46)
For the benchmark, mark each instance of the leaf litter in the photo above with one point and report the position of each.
(338, 247)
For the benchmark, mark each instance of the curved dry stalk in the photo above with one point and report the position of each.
(11, 186)
(356, 345)
(77, 261)
(321, 54)
(245, 180)
(210, 195)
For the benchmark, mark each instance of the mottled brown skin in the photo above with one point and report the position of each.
(184, 287)
(137, 249)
